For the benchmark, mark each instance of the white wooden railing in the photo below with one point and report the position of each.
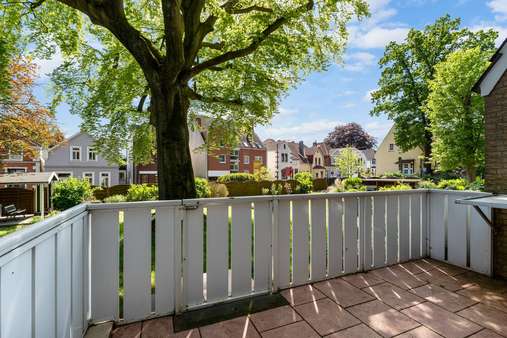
(131, 261)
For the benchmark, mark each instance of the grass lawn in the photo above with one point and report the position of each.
(4, 231)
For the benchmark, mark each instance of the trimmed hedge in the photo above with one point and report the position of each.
(102, 193)
(255, 188)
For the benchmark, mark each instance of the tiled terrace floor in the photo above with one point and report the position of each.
(424, 298)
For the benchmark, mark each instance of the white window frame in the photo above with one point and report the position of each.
(109, 178)
(71, 174)
(225, 159)
(6, 169)
(88, 154)
(246, 159)
(72, 152)
(15, 157)
(93, 176)
(389, 147)
(259, 159)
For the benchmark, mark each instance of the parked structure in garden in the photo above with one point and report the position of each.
(78, 157)
(285, 158)
(390, 158)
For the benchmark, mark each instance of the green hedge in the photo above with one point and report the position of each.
(102, 193)
(255, 188)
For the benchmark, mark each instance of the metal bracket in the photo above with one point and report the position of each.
(190, 206)
(484, 217)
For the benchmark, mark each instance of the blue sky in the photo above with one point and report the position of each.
(341, 94)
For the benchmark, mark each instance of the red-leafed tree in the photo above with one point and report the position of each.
(350, 135)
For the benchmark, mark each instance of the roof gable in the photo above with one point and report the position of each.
(494, 73)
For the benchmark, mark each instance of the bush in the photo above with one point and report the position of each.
(202, 188)
(71, 192)
(142, 192)
(426, 184)
(236, 177)
(115, 199)
(262, 174)
(218, 189)
(453, 184)
(353, 184)
(398, 186)
(304, 182)
(477, 185)
(393, 174)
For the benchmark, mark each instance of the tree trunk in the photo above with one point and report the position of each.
(427, 169)
(471, 173)
(169, 108)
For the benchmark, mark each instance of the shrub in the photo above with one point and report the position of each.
(262, 174)
(398, 186)
(236, 177)
(202, 188)
(393, 174)
(115, 199)
(453, 184)
(426, 184)
(353, 184)
(276, 189)
(218, 189)
(304, 182)
(142, 192)
(477, 185)
(71, 192)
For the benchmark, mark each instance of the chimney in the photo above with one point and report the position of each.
(314, 143)
(301, 147)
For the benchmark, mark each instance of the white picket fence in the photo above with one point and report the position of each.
(131, 261)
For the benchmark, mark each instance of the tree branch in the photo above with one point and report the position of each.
(214, 99)
(250, 9)
(257, 41)
(213, 45)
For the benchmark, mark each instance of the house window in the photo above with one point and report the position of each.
(75, 153)
(285, 157)
(234, 166)
(15, 170)
(246, 159)
(373, 162)
(105, 179)
(408, 168)
(89, 176)
(221, 158)
(122, 177)
(15, 156)
(391, 146)
(92, 154)
(64, 175)
(259, 159)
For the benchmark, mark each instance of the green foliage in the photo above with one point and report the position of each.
(427, 184)
(353, 184)
(304, 182)
(218, 189)
(393, 174)
(348, 162)
(262, 174)
(142, 192)
(478, 185)
(202, 188)
(398, 186)
(407, 69)
(236, 177)
(453, 184)
(456, 112)
(115, 199)
(276, 189)
(70, 192)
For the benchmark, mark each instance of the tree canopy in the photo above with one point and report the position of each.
(348, 162)
(350, 135)
(457, 113)
(408, 68)
(143, 69)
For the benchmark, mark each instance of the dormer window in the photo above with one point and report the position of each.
(75, 153)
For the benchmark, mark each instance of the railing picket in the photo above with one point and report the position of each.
(300, 242)
(457, 226)
(367, 248)
(45, 288)
(63, 281)
(77, 277)
(283, 256)
(318, 231)
(415, 226)
(480, 242)
(262, 246)
(164, 260)
(379, 231)
(241, 259)
(351, 234)
(193, 277)
(392, 229)
(218, 253)
(437, 224)
(404, 228)
(335, 239)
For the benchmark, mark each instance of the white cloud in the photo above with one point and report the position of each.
(367, 96)
(349, 105)
(308, 131)
(46, 67)
(499, 7)
(502, 31)
(357, 62)
(378, 37)
(378, 129)
(346, 93)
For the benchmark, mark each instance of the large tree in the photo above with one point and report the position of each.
(232, 59)
(408, 68)
(25, 124)
(457, 113)
(350, 135)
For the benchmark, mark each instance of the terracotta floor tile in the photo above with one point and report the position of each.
(163, 328)
(394, 296)
(302, 294)
(269, 319)
(486, 334)
(359, 331)
(449, 269)
(296, 330)
(342, 292)
(487, 316)
(127, 331)
(453, 283)
(418, 266)
(441, 321)
(383, 319)
(486, 296)
(362, 280)
(420, 332)
(485, 282)
(326, 317)
(399, 277)
(237, 327)
(432, 275)
(448, 300)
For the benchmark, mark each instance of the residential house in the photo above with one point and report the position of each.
(366, 161)
(78, 157)
(390, 158)
(247, 157)
(11, 163)
(320, 160)
(285, 158)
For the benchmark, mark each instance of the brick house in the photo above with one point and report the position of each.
(493, 87)
(247, 157)
(20, 163)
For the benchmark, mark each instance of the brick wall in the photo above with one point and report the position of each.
(496, 167)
